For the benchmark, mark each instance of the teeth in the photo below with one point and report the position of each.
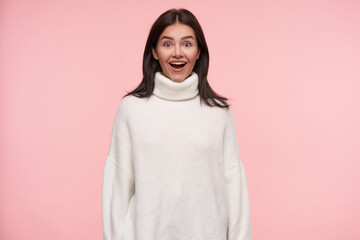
(178, 63)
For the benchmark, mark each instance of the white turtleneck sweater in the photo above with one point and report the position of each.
(174, 171)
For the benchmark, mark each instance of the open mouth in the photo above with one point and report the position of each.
(177, 65)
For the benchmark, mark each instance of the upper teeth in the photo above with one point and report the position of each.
(177, 63)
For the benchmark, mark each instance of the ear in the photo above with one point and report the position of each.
(154, 54)
(198, 55)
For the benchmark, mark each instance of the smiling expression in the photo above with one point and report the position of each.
(177, 51)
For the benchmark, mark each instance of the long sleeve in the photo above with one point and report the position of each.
(118, 179)
(239, 220)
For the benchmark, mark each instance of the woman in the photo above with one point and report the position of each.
(174, 171)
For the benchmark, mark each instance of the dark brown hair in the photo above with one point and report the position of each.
(151, 65)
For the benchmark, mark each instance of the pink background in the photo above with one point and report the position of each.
(290, 68)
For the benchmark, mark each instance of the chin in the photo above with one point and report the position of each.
(179, 77)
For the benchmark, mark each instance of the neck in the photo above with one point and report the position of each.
(170, 90)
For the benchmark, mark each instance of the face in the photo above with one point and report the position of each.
(177, 51)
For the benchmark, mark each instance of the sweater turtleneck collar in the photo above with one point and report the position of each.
(168, 89)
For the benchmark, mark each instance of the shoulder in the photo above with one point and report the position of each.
(225, 112)
(129, 104)
(220, 115)
(226, 115)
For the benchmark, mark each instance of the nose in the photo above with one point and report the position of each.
(177, 51)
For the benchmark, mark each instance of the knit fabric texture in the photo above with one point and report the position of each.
(174, 170)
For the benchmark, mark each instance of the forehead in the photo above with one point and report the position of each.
(178, 30)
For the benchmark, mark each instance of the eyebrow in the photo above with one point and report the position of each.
(166, 37)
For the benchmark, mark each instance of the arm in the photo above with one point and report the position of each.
(239, 221)
(118, 180)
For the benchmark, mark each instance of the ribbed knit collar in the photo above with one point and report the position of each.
(168, 89)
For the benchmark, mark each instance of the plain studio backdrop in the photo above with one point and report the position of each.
(291, 72)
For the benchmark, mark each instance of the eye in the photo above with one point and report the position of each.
(187, 44)
(167, 44)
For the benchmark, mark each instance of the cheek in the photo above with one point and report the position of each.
(194, 57)
(162, 57)
(164, 53)
(163, 64)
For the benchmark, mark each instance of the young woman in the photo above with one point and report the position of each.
(174, 171)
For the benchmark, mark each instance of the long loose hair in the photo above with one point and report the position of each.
(151, 65)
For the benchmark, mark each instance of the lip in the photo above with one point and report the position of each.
(178, 69)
